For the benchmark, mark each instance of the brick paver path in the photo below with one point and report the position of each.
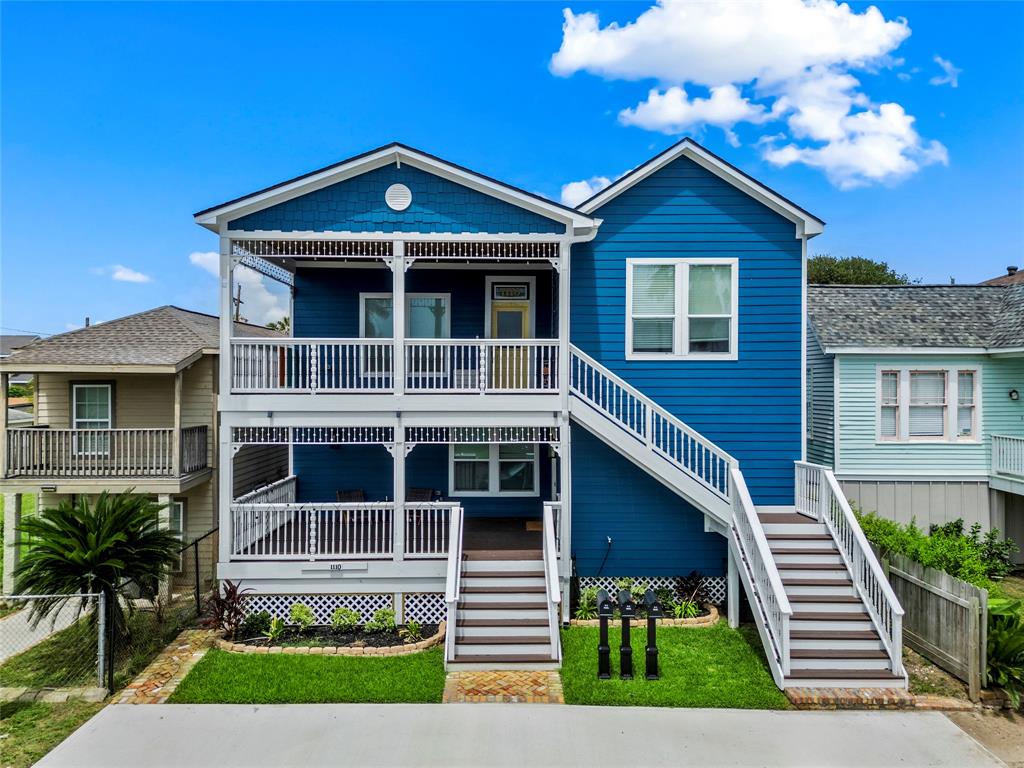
(508, 687)
(166, 671)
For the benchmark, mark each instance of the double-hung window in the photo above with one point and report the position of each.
(176, 513)
(930, 404)
(681, 308)
(92, 408)
(492, 469)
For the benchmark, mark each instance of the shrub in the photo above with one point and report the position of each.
(1006, 646)
(345, 619)
(686, 609)
(383, 621)
(691, 587)
(638, 593)
(586, 608)
(412, 632)
(255, 625)
(275, 629)
(225, 608)
(667, 599)
(301, 615)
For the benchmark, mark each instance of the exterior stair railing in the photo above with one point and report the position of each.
(453, 581)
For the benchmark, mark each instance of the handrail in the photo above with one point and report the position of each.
(453, 580)
(551, 577)
(266, 490)
(762, 569)
(868, 577)
(1008, 455)
(641, 417)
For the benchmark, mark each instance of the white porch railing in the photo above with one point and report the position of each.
(554, 590)
(246, 529)
(453, 581)
(481, 365)
(1008, 455)
(640, 417)
(556, 516)
(819, 495)
(85, 453)
(761, 570)
(306, 365)
(427, 529)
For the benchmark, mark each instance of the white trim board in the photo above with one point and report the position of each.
(212, 218)
(807, 225)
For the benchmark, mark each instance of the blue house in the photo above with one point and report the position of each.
(487, 394)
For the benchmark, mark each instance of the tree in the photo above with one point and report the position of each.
(824, 269)
(284, 324)
(78, 548)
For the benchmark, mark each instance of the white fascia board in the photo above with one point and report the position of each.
(807, 226)
(907, 350)
(897, 476)
(384, 156)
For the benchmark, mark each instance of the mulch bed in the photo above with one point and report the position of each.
(316, 637)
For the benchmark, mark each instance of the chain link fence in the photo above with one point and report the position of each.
(196, 576)
(64, 649)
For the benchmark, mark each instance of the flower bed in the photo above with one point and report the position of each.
(326, 641)
(707, 619)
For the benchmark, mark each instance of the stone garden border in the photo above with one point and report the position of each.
(406, 649)
(701, 621)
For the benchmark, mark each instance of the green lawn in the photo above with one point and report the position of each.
(30, 730)
(222, 677)
(713, 667)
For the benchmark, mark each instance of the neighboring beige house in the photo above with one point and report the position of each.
(127, 404)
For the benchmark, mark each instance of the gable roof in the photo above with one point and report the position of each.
(807, 223)
(161, 339)
(1013, 276)
(375, 158)
(976, 317)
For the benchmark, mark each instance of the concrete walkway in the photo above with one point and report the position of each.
(474, 735)
(17, 633)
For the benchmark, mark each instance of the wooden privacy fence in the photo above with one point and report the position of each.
(945, 619)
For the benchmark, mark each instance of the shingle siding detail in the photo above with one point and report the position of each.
(357, 205)
(752, 406)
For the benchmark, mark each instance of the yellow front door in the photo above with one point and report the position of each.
(510, 362)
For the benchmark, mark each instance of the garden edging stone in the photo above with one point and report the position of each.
(337, 650)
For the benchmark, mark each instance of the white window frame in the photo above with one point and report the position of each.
(76, 422)
(681, 324)
(177, 504)
(952, 404)
(445, 297)
(494, 477)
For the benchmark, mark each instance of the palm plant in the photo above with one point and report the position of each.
(102, 548)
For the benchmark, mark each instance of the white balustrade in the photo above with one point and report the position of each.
(818, 494)
(308, 365)
(761, 569)
(481, 365)
(453, 580)
(640, 417)
(1008, 455)
(44, 452)
(554, 590)
(427, 529)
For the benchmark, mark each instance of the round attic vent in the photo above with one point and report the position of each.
(398, 197)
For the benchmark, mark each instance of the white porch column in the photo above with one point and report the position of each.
(565, 523)
(732, 591)
(399, 481)
(564, 248)
(398, 318)
(164, 500)
(12, 528)
(226, 328)
(225, 484)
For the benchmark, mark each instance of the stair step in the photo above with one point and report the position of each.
(791, 518)
(499, 590)
(503, 574)
(837, 653)
(474, 567)
(843, 674)
(830, 616)
(804, 550)
(811, 567)
(516, 658)
(833, 634)
(827, 603)
(798, 536)
(502, 640)
(463, 606)
(503, 623)
(824, 599)
(503, 554)
(799, 581)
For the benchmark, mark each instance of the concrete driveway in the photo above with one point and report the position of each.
(17, 633)
(476, 735)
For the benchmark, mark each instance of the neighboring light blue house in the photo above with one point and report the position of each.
(488, 393)
(915, 399)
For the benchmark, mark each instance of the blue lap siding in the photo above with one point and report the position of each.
(751, 407)
(653, 531)
(357, 205)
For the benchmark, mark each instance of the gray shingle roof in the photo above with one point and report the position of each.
(9, 342)
(162, 336)
(917, 315)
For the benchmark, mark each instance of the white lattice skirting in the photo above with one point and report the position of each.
(714, 585)
(424, 607)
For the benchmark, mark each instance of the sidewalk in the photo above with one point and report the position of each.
(230, 736)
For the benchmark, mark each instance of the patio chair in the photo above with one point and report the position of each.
(351, 496)
(421, 494)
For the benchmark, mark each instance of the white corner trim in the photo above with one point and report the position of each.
(807, 225)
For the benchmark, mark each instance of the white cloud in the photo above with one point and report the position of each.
(672, 111)
(950, 73)
(259, 304)
(575, 192)
(122, 274)
(787, 61)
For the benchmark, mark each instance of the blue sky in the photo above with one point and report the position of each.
(121, 120)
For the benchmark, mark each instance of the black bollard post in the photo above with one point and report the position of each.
(627, 610)
(654, 611)
(605, 609)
